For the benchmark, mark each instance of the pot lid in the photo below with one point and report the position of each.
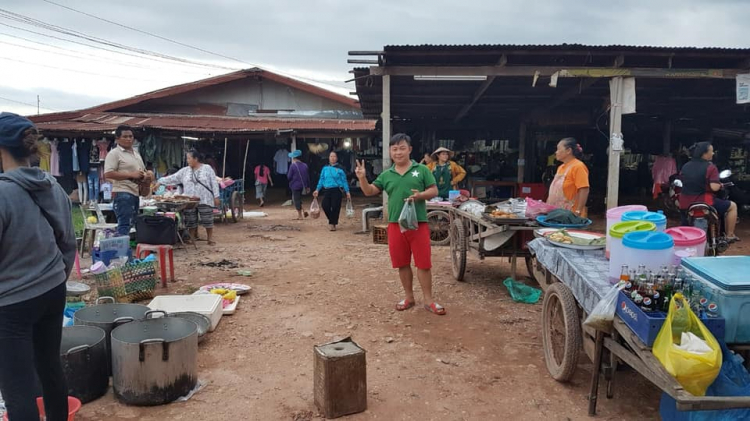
(619, 229)
(647, 240)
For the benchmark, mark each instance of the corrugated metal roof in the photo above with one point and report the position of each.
(101, 122)
(562, 47)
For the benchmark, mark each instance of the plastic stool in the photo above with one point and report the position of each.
(162, 251)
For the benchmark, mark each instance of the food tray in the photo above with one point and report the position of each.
(206, 304)
(230, 309)
(504, 221)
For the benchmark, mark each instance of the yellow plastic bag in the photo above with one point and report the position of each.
(695, 372)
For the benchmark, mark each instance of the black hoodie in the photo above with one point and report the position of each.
(37, 248)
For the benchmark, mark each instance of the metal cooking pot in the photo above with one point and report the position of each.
(154, 361)
(203, 322)
(83, 353)
(108, 317)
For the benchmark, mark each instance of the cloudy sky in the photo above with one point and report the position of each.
(47, 50)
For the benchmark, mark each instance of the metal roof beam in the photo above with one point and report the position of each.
(588, 72)
(480, 91)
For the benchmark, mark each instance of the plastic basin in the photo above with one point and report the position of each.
(614, 216)
(74, 405)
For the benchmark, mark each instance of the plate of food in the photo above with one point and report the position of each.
(577, 240)
(503, 215)
(240, 289)
(543, 232)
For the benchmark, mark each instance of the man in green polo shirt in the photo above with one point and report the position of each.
(406, 180)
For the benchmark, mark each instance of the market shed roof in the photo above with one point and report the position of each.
(490, 85)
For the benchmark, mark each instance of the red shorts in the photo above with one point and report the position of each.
(403, 245)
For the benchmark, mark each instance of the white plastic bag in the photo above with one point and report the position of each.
(349, 208)
(603, 314)
(407, 221)
(315, 209)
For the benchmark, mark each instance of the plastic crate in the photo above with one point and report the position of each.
(647, 325)
(380, 234)
(107, 256)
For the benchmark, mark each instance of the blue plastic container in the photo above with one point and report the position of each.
(726, 282)
(647, 325)
(652, 249)
(657, 218)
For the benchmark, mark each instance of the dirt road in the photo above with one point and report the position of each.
(483, 360)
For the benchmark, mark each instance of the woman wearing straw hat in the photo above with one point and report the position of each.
(447, 173)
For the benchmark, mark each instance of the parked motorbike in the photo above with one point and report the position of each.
(669, 195)
(706, 217)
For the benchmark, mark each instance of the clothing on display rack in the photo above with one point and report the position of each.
(281, 161)
(103, 146)
(54, 159)
(74, 148)
(93, 183)
(45, 154)
(94, 153)
(83, 188)
(65, 150)
(84, 151)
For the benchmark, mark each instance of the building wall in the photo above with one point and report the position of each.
(263, 94)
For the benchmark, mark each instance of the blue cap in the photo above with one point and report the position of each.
(656, 218)
(647, 240)
(12, 127)
(295, 154)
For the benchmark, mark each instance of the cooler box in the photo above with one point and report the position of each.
(647, 325)
(536, 191)
(727, 280)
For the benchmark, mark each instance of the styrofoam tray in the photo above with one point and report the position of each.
(208, 305)
(232, 307)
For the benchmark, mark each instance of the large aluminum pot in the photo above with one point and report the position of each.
(107, 317)
(83, 353)
(154, 361)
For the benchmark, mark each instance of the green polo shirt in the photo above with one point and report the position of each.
(399, 187)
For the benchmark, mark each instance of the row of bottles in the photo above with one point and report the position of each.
(653, 291)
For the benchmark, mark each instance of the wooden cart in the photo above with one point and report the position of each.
(563, 335)
(487, 238)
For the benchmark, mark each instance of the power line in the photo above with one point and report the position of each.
(26, 103)
(146, 32)
(17, 17)
(65, 69)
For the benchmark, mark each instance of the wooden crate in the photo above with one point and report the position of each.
(380, 234)
(340, 378)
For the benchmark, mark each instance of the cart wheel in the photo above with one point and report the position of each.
(561, 332)
(458, 249)
(234, 206)
(440, 223)
(239, 205)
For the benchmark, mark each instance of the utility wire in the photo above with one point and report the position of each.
(26, 103)
(65, 69)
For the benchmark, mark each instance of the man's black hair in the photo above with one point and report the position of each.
(123, 128)
(400, 137)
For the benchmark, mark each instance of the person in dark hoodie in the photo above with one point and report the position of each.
(37, 254)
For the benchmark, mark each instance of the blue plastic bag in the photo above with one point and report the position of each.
(733, 380)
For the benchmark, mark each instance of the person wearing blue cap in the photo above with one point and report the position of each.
(37, 254)
(299, 181)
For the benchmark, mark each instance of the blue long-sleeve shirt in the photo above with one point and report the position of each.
(331, 178)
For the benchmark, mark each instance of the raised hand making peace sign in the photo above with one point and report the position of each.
(360, 170)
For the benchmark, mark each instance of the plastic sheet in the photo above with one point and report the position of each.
(522, 293)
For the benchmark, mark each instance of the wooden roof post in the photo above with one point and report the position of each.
(387, 133)
(521, 151)
(615, 141)
(294, 141)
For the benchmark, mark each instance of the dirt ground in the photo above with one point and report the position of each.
(483, 360)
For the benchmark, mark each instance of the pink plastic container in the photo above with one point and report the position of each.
(614, 216)
(689, 239)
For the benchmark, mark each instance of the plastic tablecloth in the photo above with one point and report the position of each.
(586, 273)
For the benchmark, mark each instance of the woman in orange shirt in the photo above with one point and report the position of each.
(570, 188)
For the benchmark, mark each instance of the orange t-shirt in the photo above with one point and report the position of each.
(577, 178)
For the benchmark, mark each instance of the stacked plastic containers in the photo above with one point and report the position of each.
(651, 249)
(617, 256)
(725, 281)
(614, 216)
(688, 242)
(657, 218)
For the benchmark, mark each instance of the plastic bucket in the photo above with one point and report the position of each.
(74, 405)
(614, 216)
(651, 249)
(617, 251)
(657, 218)
(691, 240)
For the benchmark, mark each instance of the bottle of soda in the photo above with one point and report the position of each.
(713, 310)
(668, 292)
(625, 279)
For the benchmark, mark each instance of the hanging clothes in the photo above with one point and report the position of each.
(54, 159)
(94, 154)
(45, 153)
(74, 157)
(281, 161)
(103, 145)
(84, 151)
(65, 150)
(664, 167)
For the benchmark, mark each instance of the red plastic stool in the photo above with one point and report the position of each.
(162, 251)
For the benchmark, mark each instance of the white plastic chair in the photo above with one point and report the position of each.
(92, 228)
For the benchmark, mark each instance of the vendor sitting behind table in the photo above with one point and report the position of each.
(197, 180)
(570, 188)
(447, 173)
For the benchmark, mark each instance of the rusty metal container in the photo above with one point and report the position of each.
(340, 384)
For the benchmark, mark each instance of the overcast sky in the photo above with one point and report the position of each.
(308, 38)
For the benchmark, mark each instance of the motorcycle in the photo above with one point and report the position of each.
(706, 217)
(669, 195)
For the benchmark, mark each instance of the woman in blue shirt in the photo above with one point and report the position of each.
(333, 185)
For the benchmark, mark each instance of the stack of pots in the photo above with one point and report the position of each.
(614, 216)
(617, 256)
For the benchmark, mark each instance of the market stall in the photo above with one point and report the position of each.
(574, 281)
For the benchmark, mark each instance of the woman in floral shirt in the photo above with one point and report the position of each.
(197, 180)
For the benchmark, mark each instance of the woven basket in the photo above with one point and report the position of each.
(380, 234)
(129, 283)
